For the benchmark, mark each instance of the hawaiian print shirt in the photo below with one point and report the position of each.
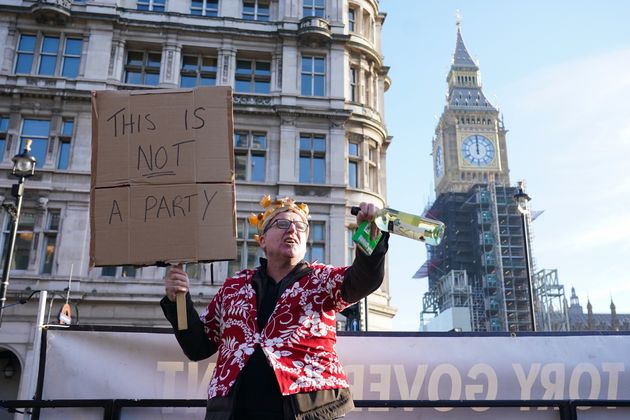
(298, 340)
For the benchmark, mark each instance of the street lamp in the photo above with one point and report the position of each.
(522, 205)
(23, 167)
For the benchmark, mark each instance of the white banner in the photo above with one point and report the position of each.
(150, 365)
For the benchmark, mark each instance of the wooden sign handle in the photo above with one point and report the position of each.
(182, 320)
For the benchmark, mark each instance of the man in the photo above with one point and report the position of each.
(274, 326)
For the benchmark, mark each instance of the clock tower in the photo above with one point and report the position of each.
(469, 143)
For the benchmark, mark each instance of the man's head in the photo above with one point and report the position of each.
(282, 228)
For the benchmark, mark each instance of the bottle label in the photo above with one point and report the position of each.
(362, 238)
(398, 228)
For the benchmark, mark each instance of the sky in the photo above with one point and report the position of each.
(559, 73)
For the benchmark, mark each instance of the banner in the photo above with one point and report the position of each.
(110, 364)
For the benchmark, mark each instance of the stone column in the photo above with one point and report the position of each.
(227, 63)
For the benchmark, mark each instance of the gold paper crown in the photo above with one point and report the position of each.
(272, 208)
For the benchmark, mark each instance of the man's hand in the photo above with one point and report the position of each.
(175, 281)
(368, 211)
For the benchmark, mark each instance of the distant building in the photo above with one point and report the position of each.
(589, 321)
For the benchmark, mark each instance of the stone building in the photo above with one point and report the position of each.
(308, 79)
(589, 321)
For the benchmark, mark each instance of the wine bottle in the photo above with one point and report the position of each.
(408, 225)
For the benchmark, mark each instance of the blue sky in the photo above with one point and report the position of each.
(559, 73)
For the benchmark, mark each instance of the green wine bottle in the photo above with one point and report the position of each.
(408, 225)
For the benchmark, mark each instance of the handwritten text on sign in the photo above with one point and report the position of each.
(163, 187)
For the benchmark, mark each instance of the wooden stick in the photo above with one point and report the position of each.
(182, 319)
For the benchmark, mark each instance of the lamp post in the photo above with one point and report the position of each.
(23, 167)
(522, 205)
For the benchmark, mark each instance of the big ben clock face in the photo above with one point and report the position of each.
(478, 150)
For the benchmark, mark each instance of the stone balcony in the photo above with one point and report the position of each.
(52, 12)
(314, 30)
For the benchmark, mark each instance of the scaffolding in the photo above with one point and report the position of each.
(484, 239)
(451, 291)
(551, 311)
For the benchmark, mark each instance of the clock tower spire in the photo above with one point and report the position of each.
(469, 144)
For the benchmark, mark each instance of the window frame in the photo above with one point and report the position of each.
(121, 271)
(316, 226)
(245, 244)
(37, 139)
(257, 15)
(143, 69)
(199, 72)
(205, 9)
(50, 233)
(312, 75)
(44, 55)
(64, 144)
(316, 8)
(371, 162)
(251, 154)
(69, 56)
(354, 87)
(350, 245)
(5, 121)
(352, 19)
(354, 160)
(36, 229)
(254, 77)
(151, 5)
(59, 58)
(313, 155)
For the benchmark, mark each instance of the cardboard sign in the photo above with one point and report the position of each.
(162, 177)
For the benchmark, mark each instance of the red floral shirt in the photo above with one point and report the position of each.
(298, 340)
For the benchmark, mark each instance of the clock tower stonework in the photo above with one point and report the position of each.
(469, 144)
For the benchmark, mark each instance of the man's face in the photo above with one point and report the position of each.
(289, 243)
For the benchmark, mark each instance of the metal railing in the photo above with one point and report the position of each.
(112, 409)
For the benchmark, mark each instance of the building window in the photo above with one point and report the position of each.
(351, 19)
(368, 89)
(253, 76)
(25, 54)
(353, 164)
(4, 129)
(204, 7)
(49, 54)
(372, 166)
(353, 85)
(198, 70)
(37, 131)
(65, 141)
(108, 271)
(250, 152)
(23, 240)
(350, 246)
(143, 68)
(50, 241)
(248, 251)
(316, 245)
(314, 8)
(256, 10)
(193, 270)
(151, 5)
(120, 271)
(312, 158)
(313, 74)
(71, 57)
